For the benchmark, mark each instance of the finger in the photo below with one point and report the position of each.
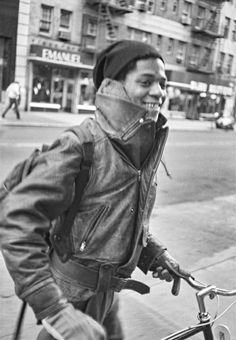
(165, 274)
(176, 286)
(157, 273)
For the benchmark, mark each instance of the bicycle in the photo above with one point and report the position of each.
(205, 321)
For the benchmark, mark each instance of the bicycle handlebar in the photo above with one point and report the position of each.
(212, 289)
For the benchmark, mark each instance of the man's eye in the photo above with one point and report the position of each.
(145, 83)
(163, 86)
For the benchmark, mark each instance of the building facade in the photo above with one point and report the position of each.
(188, 33)
(57, 44)
(8, 33)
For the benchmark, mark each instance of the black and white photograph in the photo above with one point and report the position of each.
(117, 169)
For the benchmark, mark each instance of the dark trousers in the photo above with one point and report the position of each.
(104, 308)
(12, 101)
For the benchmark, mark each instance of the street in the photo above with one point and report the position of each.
(194, 216)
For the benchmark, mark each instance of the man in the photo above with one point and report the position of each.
(14, 96)
(110, 235)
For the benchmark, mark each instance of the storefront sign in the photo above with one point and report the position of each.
(48, 53)
(219, 89)
(198, 86)
(55, 55)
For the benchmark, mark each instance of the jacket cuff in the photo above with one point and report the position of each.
(45, 300)
(153, 250)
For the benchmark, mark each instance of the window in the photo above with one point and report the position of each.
(175, 8)
(226, 27)
(111, 32)
(193, 60)
(163, 6)
(139, 35)
(201, 12)
(65, 20)
(221, 62)
(46, 19)
(87, 90)
(187, 9)
(150, 6)
(180, 52)
(229, 64)
(92, 28)
(234, 31)
(206, 57)
(159, 42)
(170, 47)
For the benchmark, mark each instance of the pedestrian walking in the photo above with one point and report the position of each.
(78, 299)
(14, 96)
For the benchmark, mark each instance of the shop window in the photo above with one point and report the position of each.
(170, 47)
(5, 65)
(87, 90)
(46, 19)
(176, 99)
(65, 20)
(41, 83)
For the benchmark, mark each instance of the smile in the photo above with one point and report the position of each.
(152, 106)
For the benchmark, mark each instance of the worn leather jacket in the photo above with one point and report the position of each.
(112, 223)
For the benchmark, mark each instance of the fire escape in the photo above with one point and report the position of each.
(205, 32)
(105, 11)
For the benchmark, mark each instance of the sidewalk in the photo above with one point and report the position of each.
(61, 119)
(209, 256)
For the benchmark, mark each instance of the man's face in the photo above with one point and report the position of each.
(146, 85)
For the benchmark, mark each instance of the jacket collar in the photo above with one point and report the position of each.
(117, 115)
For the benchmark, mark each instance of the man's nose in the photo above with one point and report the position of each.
(156, 90)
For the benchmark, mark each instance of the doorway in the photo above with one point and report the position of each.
(62, 93)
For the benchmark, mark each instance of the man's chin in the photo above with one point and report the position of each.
(152, 115)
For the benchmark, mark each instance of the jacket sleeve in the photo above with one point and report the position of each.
(150, 253)
(26, 217)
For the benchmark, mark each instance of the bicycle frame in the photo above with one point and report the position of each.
(205, 324)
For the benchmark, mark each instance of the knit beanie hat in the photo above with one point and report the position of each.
(115, 57)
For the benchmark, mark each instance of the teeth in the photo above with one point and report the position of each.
(152, 106)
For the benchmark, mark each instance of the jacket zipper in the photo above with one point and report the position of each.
(89, 232)
(156, 162)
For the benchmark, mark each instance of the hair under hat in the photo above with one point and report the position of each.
(115, 57)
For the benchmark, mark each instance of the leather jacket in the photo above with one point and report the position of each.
(112, 223)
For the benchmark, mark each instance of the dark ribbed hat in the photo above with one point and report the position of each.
(116, 56)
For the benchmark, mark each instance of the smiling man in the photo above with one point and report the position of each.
(110, 235)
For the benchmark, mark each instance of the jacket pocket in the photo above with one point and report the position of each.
(91, 220)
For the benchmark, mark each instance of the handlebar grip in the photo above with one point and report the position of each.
(176, 286)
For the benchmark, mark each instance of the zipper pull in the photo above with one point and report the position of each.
(139, 175)
(82, 246)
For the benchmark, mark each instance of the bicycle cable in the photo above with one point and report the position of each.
(211, 322)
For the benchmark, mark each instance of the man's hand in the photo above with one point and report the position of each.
(166, 268)
(71, 324)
